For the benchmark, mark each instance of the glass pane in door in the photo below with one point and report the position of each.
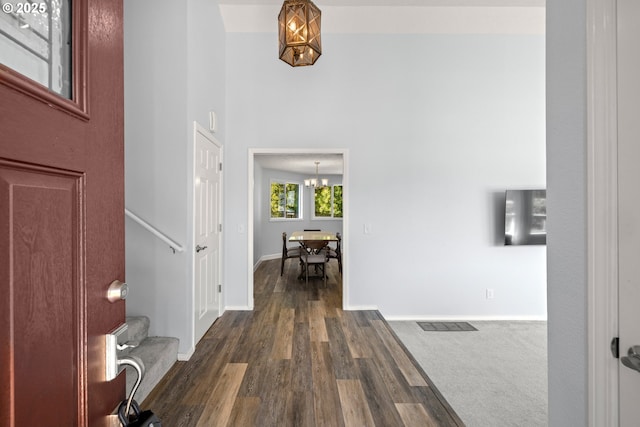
(35, 40)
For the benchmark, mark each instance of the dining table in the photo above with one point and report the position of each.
(309, 239)
(312, 242)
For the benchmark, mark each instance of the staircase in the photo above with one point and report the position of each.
(157, 353)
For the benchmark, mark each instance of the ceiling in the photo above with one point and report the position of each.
(419, 3)
(396, 16)
(330, 163)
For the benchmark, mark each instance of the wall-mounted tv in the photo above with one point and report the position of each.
(525, 217)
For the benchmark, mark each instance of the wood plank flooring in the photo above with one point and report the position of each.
(297, 360)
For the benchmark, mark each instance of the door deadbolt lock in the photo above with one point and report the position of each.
(117, 291)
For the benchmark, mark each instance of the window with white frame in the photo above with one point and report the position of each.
(328, 202)
(285, 200)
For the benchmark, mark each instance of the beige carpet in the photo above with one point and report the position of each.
(493, 377)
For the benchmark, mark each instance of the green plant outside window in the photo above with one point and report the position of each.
(328, 202)
(285, 200)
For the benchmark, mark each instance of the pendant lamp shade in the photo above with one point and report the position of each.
(299, 32)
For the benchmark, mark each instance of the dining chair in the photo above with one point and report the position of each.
(316, 255)
(288, 252)
(336, 253)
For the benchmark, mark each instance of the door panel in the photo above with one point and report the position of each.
(62, 232)
(629, 202)
(207, 181)
(41, 210)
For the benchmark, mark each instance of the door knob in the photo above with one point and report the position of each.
(632, 360)
(200, 248)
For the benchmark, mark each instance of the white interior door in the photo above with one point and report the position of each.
(208, 205)
(629, 204)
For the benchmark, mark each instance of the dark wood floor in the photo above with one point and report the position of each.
(298, 359)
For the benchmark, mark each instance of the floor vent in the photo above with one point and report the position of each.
(446, 326)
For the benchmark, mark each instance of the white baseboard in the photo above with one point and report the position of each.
(238, 308)
(184, 357)
(438, 318)
(360, 307)
(269, 257)
(265, 258)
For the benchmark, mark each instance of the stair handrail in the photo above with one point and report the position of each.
(153, 230)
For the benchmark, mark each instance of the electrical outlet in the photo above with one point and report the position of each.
(490, 294)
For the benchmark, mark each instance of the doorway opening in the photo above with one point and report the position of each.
(296, 163)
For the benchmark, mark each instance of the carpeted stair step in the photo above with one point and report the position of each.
(138, 328)
(157, 353)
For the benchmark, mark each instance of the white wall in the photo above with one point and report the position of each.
(155, 157)
(448, 114)
(174, 74)
(567, 225)
(267, 233)
(437, 127)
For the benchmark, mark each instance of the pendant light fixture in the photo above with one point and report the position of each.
(316, 182)
(299, 32)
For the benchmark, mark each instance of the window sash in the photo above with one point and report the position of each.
(327, 202)
(285, 200)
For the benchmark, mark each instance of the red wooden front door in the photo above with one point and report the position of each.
(62, 230)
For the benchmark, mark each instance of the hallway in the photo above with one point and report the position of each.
(299, 360)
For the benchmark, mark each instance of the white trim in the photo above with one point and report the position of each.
(269, 257)
(602, 242)
(184, 357)
(250, 190)
(346, 196)
(239, 308)
(448, 318)
(345, 207)
(360, 307)
(264, 258)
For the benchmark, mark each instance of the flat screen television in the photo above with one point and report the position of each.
(525, 217)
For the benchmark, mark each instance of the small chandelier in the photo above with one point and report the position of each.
(316, 182)
(299, 32)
